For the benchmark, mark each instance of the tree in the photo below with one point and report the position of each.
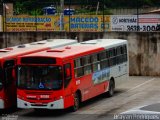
(35, 6)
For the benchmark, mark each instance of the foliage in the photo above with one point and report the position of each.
(89, 12)
(34, 7)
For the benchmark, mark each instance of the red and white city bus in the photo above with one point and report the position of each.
(8, 58)
(63, 77)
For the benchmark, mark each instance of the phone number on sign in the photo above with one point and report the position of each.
(143, 28)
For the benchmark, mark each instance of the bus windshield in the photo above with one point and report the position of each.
(40, 77)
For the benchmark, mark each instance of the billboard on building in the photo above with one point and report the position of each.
(82, 23)
(133, 23)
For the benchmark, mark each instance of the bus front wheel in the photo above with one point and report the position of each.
(75, 107)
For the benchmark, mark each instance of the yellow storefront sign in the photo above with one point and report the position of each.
(76, 23)
(87, 23)
(31, 23)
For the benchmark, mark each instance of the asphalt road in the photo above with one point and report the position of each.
(135, 92)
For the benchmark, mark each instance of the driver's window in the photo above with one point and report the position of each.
(67, 74)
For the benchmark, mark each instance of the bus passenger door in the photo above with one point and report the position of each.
(68, 85)
(9, 83)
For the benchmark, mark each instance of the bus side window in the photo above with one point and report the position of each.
(78, 62)
(67, 74)
(94, 58)
(107, 54)
(125, 49)
(95, 62)
(87, 65)
(79, 72)
(118, 55)
(8, 71)
(102, 55)
(118, 49)
(125, 53)
(104, 64)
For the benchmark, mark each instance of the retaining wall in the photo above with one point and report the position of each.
(144, 47)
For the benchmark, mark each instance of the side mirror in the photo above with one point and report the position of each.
(67, 72)
(13, 73)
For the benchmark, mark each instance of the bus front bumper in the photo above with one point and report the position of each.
(58, 104)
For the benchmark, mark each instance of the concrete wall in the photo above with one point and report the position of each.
(144, 48)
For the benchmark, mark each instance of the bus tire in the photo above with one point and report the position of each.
(76, 105)
(110, 92)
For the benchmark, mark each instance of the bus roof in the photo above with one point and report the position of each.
(79, 48)
(34, 46)
(105, 43)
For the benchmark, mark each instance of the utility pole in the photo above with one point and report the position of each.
(2, 15)
(97, 8)
(62, 15)
(4, 22)
(69, 14)
(138, 29)
(103, 17)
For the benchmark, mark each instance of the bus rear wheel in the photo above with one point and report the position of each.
(110, 92)
(76, 105)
